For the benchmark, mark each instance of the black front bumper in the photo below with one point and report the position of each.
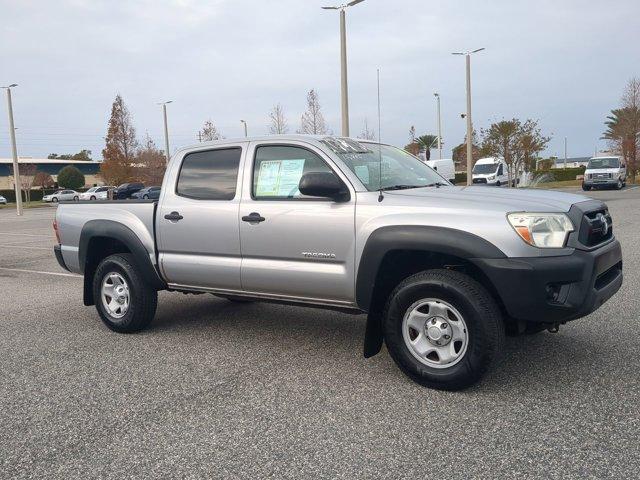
(57, 249)
(556, 289)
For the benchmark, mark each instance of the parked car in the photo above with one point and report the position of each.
(442, 271)
(62, 196)
(444, 167)
(96, 193)
(147, 193)
(125, 190)
(490, 171)
(3, 201)
(605, 172)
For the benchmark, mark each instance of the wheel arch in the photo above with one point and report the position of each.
(102, 238)
(396, 252)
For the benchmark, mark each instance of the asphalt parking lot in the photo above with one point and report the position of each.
(215, 389)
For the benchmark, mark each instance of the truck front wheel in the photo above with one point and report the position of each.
(123, 299)
(443, 329)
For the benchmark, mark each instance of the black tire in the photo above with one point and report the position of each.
(586, 188)
(619, 185)
(481, 315)
(146, 197)
(54, 199)
(75, 199)
(92, 197)
(143, 299)
(498, 183)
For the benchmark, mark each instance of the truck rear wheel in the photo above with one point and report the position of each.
(443, 329)
(123, 299)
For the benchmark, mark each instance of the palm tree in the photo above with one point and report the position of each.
(623, 131)
(426, 142)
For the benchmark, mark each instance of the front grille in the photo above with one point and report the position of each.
(479, 180)
(596, 228)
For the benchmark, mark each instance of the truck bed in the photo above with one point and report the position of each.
(72, 217)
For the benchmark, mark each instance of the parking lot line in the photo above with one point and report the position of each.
(28, 248)
(26, 234)
(41, 272)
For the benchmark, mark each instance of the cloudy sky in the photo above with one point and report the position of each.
(563, 62)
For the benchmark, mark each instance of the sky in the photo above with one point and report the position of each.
(561, 62)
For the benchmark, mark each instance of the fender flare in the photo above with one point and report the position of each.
(442, 240)
(122, 233)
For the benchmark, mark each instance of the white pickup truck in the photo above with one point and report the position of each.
(442, 271)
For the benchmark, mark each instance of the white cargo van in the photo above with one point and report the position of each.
(444, 167)
(490, 171)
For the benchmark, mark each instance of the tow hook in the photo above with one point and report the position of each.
(555, 328)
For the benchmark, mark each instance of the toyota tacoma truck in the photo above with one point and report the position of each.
(442, 272)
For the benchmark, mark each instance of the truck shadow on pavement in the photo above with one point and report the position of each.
(544, 361)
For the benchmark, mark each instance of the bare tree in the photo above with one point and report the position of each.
(412, 134)
(27, 175)
(278, 121)
(631, 94)
(209, 132)
(43, 180)
(366, 133)
(151, 163)
(312, 121)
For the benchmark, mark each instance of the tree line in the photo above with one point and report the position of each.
(312, 122)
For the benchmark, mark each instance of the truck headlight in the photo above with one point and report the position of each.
(543, 230)
(492, 177)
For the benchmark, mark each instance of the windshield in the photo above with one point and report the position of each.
(605, 162)
(399, 168)
(485, 167)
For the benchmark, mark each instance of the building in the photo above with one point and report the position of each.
(50, 166)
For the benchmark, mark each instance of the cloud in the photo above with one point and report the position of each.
(560, 62)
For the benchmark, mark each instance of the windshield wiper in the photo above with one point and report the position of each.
(405, 187)
(401, 187)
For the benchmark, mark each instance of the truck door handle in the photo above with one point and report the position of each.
(174, 216)
(254, 217)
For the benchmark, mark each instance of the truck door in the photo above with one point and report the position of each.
(197, 219)
(292, 245)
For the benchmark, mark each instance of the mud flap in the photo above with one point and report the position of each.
(373, 335)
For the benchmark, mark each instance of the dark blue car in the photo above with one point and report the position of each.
(147, 192)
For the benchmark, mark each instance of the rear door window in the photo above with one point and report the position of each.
(210, 174)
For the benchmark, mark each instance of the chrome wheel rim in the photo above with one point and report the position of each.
(435, 333)
(115, 295)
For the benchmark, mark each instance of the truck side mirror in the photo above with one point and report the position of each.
(323, 184)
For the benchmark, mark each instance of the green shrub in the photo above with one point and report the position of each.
(70, 177)
(461, 178)
(561, 174)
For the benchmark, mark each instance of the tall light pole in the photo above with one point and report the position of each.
(469, 123)
(14, 151)
(565, 152)
(344, 89)
(166, 128)
(437, 95)
(245, 127)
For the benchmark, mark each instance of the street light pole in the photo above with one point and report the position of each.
(469, 123)
(166, 129)
(344, 87)
(246, 134)
(437, 95)
(565, 152)
(14, 151)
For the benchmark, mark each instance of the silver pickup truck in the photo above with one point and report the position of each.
(443, 272)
